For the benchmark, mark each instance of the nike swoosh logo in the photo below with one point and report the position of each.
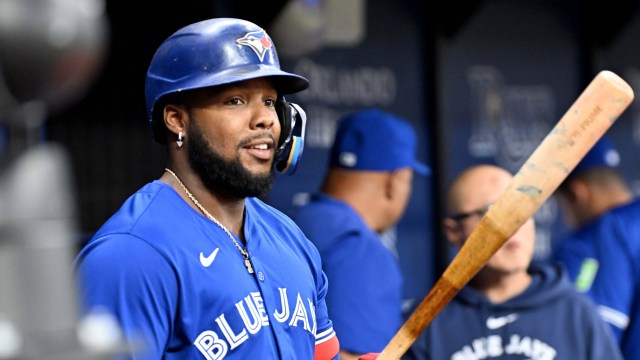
(498, 322)
(208, 260)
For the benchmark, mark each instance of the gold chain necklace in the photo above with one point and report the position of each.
(245, 254)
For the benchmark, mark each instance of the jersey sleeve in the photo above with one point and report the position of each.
(600, 265)
(127, 277)
(630, 247)
(325, 332)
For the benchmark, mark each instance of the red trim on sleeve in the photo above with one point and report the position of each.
(327, 350)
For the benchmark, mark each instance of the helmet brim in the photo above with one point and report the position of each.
(285, 83)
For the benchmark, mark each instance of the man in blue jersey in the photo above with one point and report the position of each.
(363, 195)
(512, 308)
(194, 265)
(602, 254)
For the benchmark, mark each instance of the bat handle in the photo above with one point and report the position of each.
(429, 307)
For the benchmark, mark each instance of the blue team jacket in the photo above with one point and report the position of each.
(549, 320)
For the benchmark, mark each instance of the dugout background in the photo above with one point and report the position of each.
(481, 81)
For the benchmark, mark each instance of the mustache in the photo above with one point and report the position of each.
(262, 136)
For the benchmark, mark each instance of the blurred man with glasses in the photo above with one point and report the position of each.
(512, 308)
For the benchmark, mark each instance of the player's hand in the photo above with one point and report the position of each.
(369, 356)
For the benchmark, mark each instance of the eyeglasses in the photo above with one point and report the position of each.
(465, 215)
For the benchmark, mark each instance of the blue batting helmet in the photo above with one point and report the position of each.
(209, 53)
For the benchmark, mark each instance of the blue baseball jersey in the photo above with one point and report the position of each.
(603, 261)
(548, 321)
(175, 280)
(365, 296)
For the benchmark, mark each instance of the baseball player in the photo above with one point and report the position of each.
(194, 265)
(364, 194)
(602, 254)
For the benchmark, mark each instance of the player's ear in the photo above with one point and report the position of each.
(175, 118)
(390, 184)
(578, 192)
(396, 182)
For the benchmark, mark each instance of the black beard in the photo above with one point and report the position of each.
(226, 177)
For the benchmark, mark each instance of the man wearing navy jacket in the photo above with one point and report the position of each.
(513, 308)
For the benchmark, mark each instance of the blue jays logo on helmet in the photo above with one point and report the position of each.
(258, 41)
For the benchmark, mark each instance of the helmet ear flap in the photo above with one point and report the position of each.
(291, 143)
(284, 116)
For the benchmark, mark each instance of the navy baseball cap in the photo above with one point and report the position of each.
(374, 140)
(602, 154)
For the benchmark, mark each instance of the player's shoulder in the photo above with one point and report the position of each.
(153, 203)
(620, 227)
(328, 213)
(628, 213)
(145, 220)
(320, 202)
(261, 209)
(259, 212)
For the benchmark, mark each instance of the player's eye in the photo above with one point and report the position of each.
(234, 101)
(270, 102)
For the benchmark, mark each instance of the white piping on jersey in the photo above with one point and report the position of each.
(614, 317)
(325, 335)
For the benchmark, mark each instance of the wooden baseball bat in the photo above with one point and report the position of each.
(588, 118)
